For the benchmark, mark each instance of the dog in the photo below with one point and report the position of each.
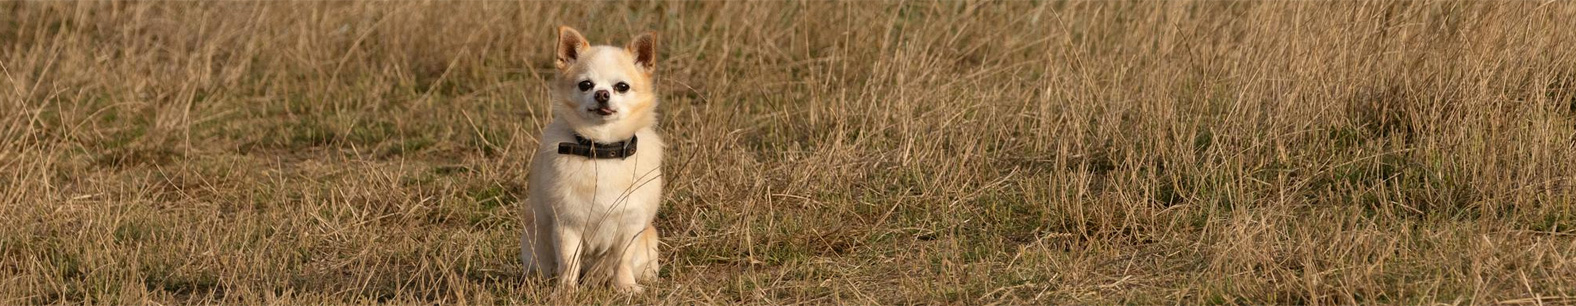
(596, 179)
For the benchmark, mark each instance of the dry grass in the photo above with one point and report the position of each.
(864, 152)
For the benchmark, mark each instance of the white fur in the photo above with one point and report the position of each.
(592, 218)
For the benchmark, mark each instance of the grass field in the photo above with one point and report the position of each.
(1069, 152)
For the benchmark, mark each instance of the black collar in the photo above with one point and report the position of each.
(585, 147)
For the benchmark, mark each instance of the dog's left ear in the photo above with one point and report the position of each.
(644, 47)
(570, 45)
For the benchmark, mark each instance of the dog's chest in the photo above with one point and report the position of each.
(588, 177)
(578, 190)
(609, 185)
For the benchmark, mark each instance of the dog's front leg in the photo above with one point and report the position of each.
(624, 269)
(568, 244)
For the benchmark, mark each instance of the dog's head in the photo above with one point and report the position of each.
(604, 84)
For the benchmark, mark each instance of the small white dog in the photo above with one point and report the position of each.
(596, 180)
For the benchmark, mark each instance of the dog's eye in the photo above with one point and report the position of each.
(621, 87)
(586, 85)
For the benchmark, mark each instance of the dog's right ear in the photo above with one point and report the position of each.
(644, 47)
(570, 45)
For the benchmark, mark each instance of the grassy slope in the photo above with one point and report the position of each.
(864, 152)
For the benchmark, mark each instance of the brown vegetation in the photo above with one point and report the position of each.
(1193, 152)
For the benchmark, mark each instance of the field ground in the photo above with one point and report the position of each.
(1070, 152)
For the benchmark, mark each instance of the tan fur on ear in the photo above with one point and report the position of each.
(644, 47)
(570, 45)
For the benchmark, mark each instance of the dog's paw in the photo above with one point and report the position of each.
(629, 288)
(568, 287)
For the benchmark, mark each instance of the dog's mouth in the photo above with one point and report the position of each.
(603, 111)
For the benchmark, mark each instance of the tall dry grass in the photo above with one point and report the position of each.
(1193, 152)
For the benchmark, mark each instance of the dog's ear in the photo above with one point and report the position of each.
(644, 47)
(570, 45)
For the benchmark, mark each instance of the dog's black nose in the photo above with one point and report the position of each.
(602, 96)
